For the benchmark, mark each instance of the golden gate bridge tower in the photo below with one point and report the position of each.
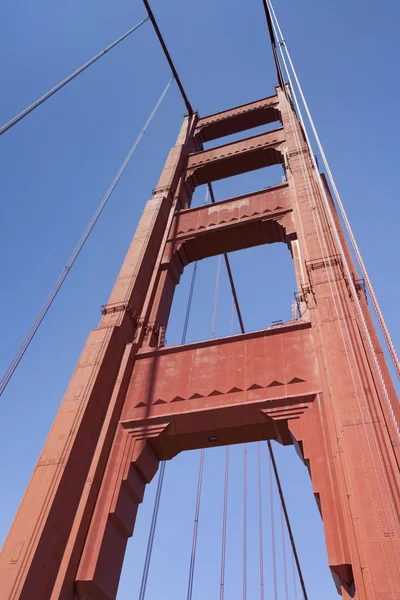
(319, 382)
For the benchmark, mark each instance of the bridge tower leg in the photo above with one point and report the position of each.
(134, 401)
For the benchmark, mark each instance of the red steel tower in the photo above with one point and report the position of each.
(319, 382)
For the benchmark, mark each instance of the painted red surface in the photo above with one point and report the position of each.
(133, 402)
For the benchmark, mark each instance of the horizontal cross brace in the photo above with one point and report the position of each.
(235, 158)
(237, 119)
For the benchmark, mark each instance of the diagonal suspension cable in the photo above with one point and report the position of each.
(63, 83)
(356, 386)
(229, 271)
(281, 81)
(377, 308)
(294, 578)
(78, 248)
(168, 57)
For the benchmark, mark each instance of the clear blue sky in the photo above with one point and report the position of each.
(57, 164)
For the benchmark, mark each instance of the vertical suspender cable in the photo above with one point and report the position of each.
(289, 528)
(217, 280)
(190, 299)
(60, 85)
(224, 523)
(150, 541)
(57, 286)
(273, 541)
(260, 523)
(271, 452)
(226, 489)
(285, 574)
(244, 521)
(195, 527)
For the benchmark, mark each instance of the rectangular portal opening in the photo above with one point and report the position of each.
(265, 284)
(239, 185)
(240, 135)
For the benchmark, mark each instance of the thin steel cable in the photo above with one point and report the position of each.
(273, 540)
(318, 227)
(260, 522)
(294, 578)
(337, 239)
(189, 304)
(150, 541)
(289, 528)
(162, 468)
(271, 452)
(217, 281)
(244, 521)
(273, 46)
(334, 229)
(224, 524)
(192, 284)
(226, 489)
(229, 271)
(195, 527)
(378, 311)
(63, 83)
(233, 316)
(285, 574)
(57, 286)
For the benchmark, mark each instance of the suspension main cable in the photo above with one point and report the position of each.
(378, 311)
(57, 286)
(168, 57)
(64, 82)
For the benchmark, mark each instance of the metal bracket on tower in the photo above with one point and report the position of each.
(107, 309)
